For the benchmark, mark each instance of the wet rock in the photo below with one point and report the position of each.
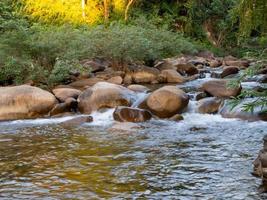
(209, 105)
(263, 79)
(104, 95)
(187, 68)
(125, 127)
(85, 83)
(238, 111)
(200, 95)
(64, 93)
(229, 70)
(138, 88)
(127, 114)
(143, 74)
(221, 88)
(198, 128)
(77, 121)
(177, 118)
(167, 101)
(23, 102)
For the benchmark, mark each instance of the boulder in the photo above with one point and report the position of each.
(125, 128)
(127, 114)
(221, 88)
(138, 88)
(115, 80)
(77, 121)
(64, 93)
(25, 102)
(209, 105)
(172, 76)
(178, 64)
(232, 61)
(187, 68)
(68, 106)
(104, 95)
(229, 70)
(239, 112)
(143, 74)
(167, 101)
(85, 83)
(214, 63)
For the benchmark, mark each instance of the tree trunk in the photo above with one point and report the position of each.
(106, 9)
(83, 8)
(127, 9)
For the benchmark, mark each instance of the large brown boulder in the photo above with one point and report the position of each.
(143, 74)
(127, 114)
(187, 68)
(64, 93)
(104, 95)
(25, 102)
(167, 101)
(172, 76)
(238, 112)
(209, 105)
(221, 88)
(232, 61)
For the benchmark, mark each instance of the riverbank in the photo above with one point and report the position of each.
(162, 91)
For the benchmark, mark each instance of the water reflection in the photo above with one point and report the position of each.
(166, 160)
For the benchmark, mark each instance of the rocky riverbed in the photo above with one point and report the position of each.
(145, 132)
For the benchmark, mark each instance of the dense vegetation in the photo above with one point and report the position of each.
(40, 38)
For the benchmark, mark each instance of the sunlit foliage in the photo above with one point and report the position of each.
(73, 11)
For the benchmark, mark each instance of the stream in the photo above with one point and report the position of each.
(202, 157)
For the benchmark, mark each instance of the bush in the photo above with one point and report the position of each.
(57, 49)
(62, 70)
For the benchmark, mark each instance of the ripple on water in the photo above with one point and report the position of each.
(202, 157)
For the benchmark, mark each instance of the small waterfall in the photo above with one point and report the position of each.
(140, 97)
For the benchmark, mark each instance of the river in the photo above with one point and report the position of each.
(203, 157)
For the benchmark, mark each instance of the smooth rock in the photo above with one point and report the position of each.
(209, 105)
(104, 95)
(24, 102)
(127, 114)
(221, 88)
(167, 101)
(64, 93)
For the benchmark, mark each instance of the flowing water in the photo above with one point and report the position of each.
(203, 157)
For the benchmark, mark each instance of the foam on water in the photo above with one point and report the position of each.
(102, 118)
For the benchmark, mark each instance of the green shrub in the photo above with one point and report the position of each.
(62, 70)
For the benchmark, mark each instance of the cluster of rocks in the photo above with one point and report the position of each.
(107, 88)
